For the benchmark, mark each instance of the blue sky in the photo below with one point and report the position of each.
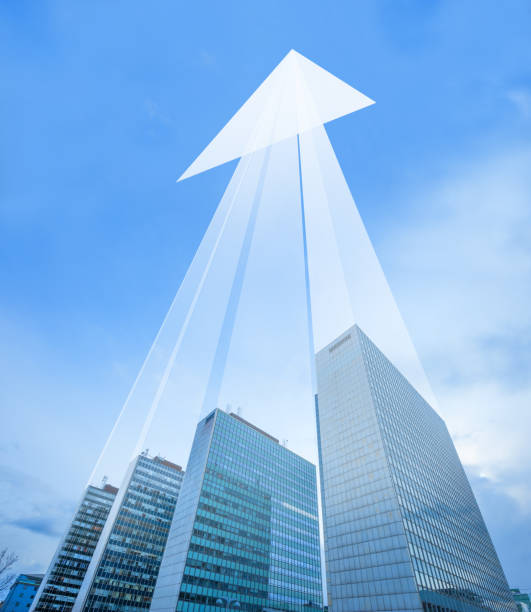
(105, 104)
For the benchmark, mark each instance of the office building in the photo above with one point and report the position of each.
(22, 593)
(245, 534)
(403, 530)
(124, 567)
(65, 574)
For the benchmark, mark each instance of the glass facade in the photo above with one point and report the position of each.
(125, 571)
(61, 584)
(22, 593)
(245, 533)
(522, 600)
(403, 530)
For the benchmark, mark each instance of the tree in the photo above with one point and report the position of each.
(7, 560)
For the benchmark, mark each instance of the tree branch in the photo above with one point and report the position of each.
(7, 560)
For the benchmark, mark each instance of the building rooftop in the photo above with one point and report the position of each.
(168, 463)
(31, 577)
(239, 418)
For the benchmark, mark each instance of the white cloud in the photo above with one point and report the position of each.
(34, 518)
(521, 98)
(466, 263)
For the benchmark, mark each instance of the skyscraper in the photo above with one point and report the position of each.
(124, 567)
(65, 574)
(403, 530)
(245, 534)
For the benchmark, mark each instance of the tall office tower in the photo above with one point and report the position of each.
(245, 534)
(125, 564)
(403, 530)
(65, 574)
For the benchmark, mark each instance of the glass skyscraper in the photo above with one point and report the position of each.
(63, 579)
(125, 564)
(403, 531)
(245, 533)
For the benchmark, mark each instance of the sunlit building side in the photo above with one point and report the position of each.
(402, 527)
(125, 564)
(245, 534)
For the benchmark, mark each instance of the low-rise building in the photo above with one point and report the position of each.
(22, 593)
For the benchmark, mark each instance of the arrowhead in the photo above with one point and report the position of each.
(297, 96)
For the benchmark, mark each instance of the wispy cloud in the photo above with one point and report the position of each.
(38, 524)
(33, 518)
(207, 58)
(156, 114)
(521, 98)
(466, 261)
